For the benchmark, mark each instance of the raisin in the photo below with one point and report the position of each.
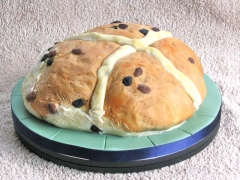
(52, 54)
(79, 103)
(95, 129)
(31, 96)
(52, 108)
(45, 56)
(49, 62)
(127, 81)
(143, 31)
(76, 51)
(191, 60)
(155, 29)
(138, 72)
(115, 22)
(122, 26)
(144, 89)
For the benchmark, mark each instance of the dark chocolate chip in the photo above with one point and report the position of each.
(155, 29)
(95, 129)
(31, 96)
(115, 22)
(144, 89)
(52, 108)
(50, 48)
(56, 43)
(127, 81)
(49, 62)
(138, 72)
(45, 56)
(114, 27)
(143, 31)
(79, 103)
(76, 51)
(191, 60)
(52, 54)
(122, 26)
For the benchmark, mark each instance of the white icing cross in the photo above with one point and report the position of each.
(130, 46)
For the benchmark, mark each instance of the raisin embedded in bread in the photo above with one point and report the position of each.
(119, 78)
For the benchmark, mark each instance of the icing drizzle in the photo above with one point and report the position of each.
(96, 112)
(141, 44)
(97, 102)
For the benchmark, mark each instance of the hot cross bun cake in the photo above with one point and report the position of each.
(120, 78)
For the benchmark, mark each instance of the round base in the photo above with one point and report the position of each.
(113, 154)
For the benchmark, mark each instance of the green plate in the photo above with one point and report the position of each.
(202, 118)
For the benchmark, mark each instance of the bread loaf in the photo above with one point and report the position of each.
(119, 78)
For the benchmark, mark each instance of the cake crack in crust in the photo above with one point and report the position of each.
(129, 80)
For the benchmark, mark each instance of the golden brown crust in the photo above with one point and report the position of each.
(184, 59)
(167, 103)
(132, 30)
(71, 76)
(154, 100)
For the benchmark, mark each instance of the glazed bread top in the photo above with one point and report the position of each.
(120, 78)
